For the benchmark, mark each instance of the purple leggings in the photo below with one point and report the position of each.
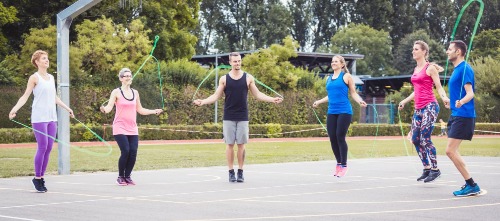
(44, 145)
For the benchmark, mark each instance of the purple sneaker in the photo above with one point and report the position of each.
(129, 181)
(121, 181)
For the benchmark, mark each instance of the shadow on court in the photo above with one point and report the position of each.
(374, 189)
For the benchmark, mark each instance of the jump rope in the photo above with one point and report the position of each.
(109, 147)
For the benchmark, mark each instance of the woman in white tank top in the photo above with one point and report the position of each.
(43, 114)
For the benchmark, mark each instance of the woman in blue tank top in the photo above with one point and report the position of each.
(339, 117)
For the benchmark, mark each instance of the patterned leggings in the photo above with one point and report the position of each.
(421, 128)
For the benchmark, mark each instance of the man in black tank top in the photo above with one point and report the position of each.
(235, 85)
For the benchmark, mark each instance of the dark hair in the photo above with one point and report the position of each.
(233, 54)
(459, 44)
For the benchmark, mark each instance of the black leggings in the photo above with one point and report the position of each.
(128, 147)
(337, 126)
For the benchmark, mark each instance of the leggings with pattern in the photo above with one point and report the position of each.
(421, 128)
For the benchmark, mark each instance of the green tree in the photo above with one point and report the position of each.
(435, 17)
(487, 43)
(210, 16)
(374, 13)
(103, 48)
(301, 16)
(403, 60)
(271, 65)
(7, 16)
(362, 39)
(487, 76)
(327, 17)
(403, 19)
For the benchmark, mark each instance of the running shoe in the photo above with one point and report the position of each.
(240, 178)
(121, 181)
(232, 177)
(43, 184)
(425, 174)
(433, 175)
(342, 172)
(468, 190)
(337, 170)
(37, 183)
(129, 181)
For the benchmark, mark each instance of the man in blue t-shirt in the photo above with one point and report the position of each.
(463, 116)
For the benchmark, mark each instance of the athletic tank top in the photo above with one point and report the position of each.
(44, 101)
(126, 115)
(236, 103)
(338, 99)
(422, 86)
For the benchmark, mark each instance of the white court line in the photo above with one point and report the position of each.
(50, 204)
(347, 214)
(18, 218)
(483, 192)
(165, 183)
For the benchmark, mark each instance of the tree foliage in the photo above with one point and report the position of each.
(487, 43)
(362, 39)
(404, 59)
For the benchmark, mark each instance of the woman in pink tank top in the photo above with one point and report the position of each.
(424, 77)
(125, 131)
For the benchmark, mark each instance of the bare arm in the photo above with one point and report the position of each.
(433, 72)
(111, 102)
(468, 96)
(259, 95)
(143, 111)
(32, 81)
(320, 101)
(63, 105)
(406, 100)
(214, 97)
(352, 90)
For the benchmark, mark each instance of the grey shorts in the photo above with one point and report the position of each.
(235, 132)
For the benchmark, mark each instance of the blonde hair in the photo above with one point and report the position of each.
(37, 56)
(425, 47)
(342, 61)
(123, 71)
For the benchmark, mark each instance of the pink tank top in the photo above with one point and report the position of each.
(423, 88)
(126, 115)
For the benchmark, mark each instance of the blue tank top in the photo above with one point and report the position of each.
(236, 103)
(338, 99)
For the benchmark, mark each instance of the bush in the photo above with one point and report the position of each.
(79, 133)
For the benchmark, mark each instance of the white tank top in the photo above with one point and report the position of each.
(44, 101)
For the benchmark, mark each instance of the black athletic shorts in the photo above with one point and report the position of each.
(461, 128)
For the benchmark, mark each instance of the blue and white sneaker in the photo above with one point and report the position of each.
(467, 190)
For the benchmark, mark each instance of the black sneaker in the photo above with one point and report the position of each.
(240, 176)
(433, 175)
(43, 184)
(425, 174)
(232, 178)
(37, 183)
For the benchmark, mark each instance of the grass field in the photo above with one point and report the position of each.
(19, 161)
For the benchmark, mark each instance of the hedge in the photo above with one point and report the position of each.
(210, 131)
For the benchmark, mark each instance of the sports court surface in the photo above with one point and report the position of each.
(374, 189)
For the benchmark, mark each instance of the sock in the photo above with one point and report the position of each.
(470, 182)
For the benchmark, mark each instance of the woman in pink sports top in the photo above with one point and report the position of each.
(125, 130)
(424, 77)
